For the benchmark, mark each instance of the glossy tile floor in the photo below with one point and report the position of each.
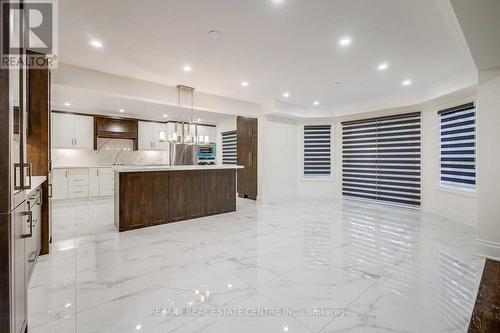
(303, 266)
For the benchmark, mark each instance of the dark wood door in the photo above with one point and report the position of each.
(195, 193)
(134, 208)
(178, 196)
(158, 208)
(247, 157)
(210, 187)
(225, 190)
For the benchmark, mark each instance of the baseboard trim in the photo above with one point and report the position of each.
(487, 249)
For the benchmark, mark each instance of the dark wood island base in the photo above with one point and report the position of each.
(148, 198)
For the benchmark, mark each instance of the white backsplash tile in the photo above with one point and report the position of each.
(109, 151)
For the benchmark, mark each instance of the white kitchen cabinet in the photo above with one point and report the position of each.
(62, 130)
(93, 182)
(106, 182)
(60, 184)
(149, 135)
(84, 132)
(70, 131)
(100, 182)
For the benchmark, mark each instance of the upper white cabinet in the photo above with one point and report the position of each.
(72, 131)
(149, 135)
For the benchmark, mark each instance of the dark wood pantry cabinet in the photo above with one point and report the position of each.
(247, 138)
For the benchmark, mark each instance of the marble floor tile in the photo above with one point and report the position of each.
(305, 266)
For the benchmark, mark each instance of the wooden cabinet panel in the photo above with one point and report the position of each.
(247, 156)
(195, 193)
(158, 208)
(211, 190)
(134, 200)
(151, 198)
(115, 128)
(226, 190)
(178, 196)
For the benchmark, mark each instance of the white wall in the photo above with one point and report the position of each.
(277, 158)
(454, 204)
(459, 205)
(320, 187)
(488, 105)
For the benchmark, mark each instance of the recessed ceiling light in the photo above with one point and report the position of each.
(278, 2)
(336, 83)
(383, 66)
(67, 104)
(138, 327)
(187, 68)
(165, 115)
(122, 110)
(214, 34)
(316, 103)
(345, 41)
(96, 43)
(286, 94)
(198, 120)
(406, 82)
(244, 84)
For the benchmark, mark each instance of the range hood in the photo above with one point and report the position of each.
(115, 128)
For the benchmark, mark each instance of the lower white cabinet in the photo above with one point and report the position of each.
(82, 183)
(60, 184)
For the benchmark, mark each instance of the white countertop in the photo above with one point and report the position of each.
(36, 181)
(146, 168)
(82, 167)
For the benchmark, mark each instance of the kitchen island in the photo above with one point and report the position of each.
(146, 196)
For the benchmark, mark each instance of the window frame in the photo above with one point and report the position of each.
(317, 178)
(450, 187)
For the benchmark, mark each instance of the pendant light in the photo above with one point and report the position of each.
(187, 136)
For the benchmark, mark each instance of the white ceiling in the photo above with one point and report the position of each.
(291, 46)
(88, 101)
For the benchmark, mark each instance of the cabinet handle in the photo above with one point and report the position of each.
(16, 166)
(97, 173)
(250, 159)
(29, 166)
(50, 190)
(66, 173)
(28, 213)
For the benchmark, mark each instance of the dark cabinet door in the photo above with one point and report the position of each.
(195, 193)
(20, 232)
(158, 208)
(178, 196)
(247, 156)
(134, 208)
(226, 183)
(211, 197)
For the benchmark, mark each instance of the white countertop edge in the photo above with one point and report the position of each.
(174, 168)
(36, 181)
(83, 167)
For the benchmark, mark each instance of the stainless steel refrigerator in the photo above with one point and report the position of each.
(182, 154)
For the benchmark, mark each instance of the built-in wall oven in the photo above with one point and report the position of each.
(205, 154)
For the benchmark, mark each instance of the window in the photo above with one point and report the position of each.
(229, 152)
(458, 146)
(381, 158)
(317, 150)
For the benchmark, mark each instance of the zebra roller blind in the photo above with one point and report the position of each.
(458, 146)
(317, 150)
(381, 158)
(229, 155)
